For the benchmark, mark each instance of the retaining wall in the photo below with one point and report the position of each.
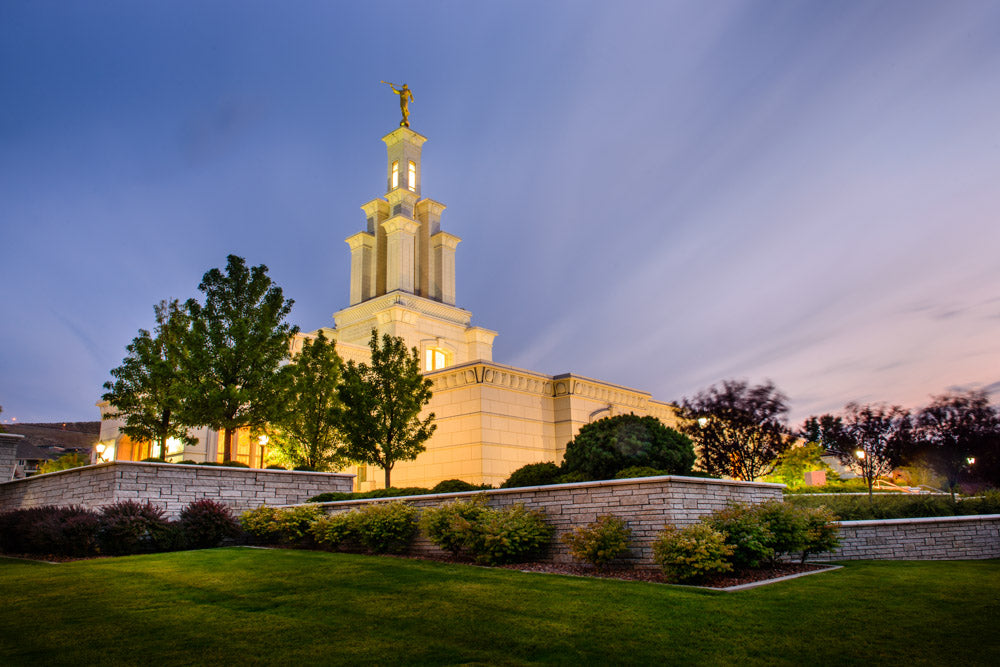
(935, 538)
(170, 486)
(8, 456)
(647, 504)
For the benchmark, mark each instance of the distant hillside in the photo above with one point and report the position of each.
(64, 435)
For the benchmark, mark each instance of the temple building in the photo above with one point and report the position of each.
(491, 418)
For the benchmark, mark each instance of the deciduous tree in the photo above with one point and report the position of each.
(306, 430)
(148, 391)
(954, 430)
(382, 403)
(740, 430)
(239, 338)
(869, 439)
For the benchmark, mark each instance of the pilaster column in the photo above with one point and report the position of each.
(362, 247)
(400, 240)
(443, 247)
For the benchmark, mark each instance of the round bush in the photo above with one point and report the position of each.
(131, 527)
(693, 553)
(600, 542)
(639, 471)
(454, 486)
(533, 474)
(206, 523)
(603, 448)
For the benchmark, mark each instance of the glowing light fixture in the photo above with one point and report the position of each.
(971, 460)
(860, 454)
(263, 439)
(702, 422)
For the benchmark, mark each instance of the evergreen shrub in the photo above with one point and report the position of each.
(206, 523)
(131, 527)
(457, 485)
(49, 530)
(639, 471)
(599, 542)
(693, 553)
(533, 474)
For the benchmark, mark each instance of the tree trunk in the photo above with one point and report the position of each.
(387, 471)
(227, 446)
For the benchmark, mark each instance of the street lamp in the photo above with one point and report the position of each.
(860, 454)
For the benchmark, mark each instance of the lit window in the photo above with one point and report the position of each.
(395, 175)
(412, 176)
(434, 359)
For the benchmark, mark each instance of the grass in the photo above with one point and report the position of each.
(251, 606)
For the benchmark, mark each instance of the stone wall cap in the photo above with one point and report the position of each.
(920, 519)
(181, 466)
(557, 487)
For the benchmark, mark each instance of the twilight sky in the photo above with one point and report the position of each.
(656, 194)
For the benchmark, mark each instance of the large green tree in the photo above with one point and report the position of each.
(148, 391)
(306, 430)
(955, 430)
(382, 403)
(604, 448)
(740, 429)
(237, 343)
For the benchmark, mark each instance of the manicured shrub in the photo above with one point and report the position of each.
(275, 466)
(386, 527)
(377, 528)
(599, 542)
(332, 496)
(692, 554)
(822, 534)
(603, 448)
(449, 526)
(533, 474)
(391, 492)
(131, 527)
(741, 528)
(206, 523)
(509, 535)
(337, 531)
(639, 471)
(454, 486)
(273, 525)
(573, 477)
(489, 536)
(49, 530)
(787, 524)
(235, 464)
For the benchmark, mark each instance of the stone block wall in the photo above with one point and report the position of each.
(936, 538)
(648, 504)
(8, 456)
(169, 486)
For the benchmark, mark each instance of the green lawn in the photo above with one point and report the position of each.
(238, 606)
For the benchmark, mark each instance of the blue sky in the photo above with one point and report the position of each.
(657, 194)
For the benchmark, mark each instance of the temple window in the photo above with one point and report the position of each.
(412, 176)
(435, 359)
(395, 174)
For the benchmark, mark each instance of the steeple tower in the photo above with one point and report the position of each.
(403, 268)
(403, 247)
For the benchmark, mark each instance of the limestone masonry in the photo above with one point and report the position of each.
(168, 486)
